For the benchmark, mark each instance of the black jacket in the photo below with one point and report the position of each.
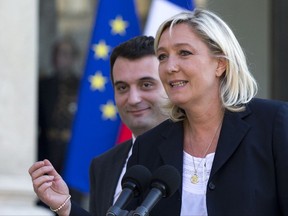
(250, 169)
(105, 171)
(249, 174)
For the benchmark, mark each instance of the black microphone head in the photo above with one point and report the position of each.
(137, 178)
(167, 176)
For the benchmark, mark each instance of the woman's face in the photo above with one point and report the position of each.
(188, 71)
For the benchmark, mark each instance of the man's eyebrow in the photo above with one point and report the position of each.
(119, 82)
(147, 78)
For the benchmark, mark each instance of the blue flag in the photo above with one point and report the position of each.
(97, 122)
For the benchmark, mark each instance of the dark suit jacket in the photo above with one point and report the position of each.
(249, 174)
(105, 171)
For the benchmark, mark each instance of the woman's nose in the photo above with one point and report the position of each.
(172, 65)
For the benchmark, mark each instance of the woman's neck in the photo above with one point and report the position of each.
(201, 133)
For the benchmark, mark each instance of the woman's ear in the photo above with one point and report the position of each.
(221, 68)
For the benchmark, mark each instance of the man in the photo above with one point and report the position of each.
(140, 98)
(57, 102)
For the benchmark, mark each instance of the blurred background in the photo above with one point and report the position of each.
(43, 51)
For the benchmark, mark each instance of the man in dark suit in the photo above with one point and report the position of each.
(140, 98)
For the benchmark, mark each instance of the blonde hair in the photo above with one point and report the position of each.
(237, 85)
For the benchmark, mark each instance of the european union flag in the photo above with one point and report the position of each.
(96, 122)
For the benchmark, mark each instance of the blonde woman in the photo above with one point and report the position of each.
(230, 148)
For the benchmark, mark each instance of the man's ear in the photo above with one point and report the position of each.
(221, 68)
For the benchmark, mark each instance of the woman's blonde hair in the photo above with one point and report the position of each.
(237, 85)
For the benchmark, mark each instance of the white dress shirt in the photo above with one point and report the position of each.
(119, 187)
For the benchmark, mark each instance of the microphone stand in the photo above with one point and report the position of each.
(120, 212)
(116, 211)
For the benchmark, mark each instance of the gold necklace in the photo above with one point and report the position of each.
(194, 178)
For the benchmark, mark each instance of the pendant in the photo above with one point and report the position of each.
(194, 178)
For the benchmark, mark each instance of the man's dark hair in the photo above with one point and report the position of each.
(132, 49)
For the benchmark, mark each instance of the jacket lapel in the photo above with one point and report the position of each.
(233, 130)
(112, 174)
(171, 152)
(171, 147)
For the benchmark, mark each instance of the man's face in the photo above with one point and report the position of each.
(65, 59)
(139, 93)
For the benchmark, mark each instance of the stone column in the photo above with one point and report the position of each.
(18, 93)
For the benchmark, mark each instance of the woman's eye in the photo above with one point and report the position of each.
(161, 57)
(185, 52)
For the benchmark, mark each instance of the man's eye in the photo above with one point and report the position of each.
(121, 88)
(147, 85)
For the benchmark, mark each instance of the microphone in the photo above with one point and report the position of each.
(164, 183)
(134, 182)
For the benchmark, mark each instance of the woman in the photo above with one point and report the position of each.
(230, 148)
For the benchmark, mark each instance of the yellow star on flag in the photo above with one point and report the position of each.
(98, 81)
(118, 26)
(101, 50)
(109, 111)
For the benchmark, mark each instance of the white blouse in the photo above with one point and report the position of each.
(194, 194)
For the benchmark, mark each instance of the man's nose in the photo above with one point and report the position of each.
(134, 96)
